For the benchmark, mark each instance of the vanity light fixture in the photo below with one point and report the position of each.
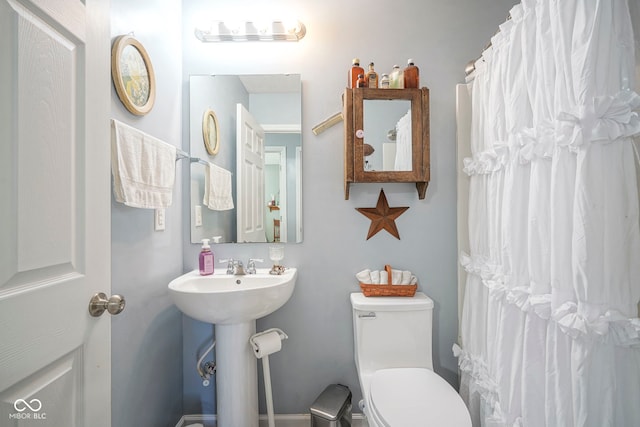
(221, 31)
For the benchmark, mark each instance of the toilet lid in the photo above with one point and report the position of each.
(416, 397)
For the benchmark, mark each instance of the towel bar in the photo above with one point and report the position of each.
(184, 155)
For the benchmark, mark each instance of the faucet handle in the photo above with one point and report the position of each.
(251, 265)
(230, 263)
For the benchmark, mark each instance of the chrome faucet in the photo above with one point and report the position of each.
(234, 267)
(238, 268)
(251, 265)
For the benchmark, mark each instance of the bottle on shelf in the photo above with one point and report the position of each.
(396, 78)
(411, 75)
(361, 82)
(384, 81)
(354, 72)
(371, 77)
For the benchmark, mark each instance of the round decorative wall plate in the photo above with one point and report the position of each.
(133, 75)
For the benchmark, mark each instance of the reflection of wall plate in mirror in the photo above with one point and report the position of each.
(211, 132)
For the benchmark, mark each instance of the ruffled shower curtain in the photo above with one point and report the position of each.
(550, 334)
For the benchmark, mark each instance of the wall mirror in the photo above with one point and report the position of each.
(387, 130)
(259, 142)
(386, 136)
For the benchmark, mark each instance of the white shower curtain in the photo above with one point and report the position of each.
(550, 334)
(403, 143)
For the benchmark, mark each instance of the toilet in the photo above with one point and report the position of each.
(395, 369)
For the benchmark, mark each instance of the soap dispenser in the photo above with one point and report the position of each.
(206, 259)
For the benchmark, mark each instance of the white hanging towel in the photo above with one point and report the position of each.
(217, 188)
(143, 168)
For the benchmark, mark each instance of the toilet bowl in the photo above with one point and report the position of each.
(394, 363)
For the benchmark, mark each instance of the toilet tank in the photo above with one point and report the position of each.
(392, 332)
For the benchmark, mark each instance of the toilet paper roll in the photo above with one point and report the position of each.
(267, 344)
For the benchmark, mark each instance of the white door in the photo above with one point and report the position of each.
(54, 212)
(250, 180)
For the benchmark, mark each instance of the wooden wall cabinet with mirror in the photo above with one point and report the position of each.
(386, 134)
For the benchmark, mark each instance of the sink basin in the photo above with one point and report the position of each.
(226, 299)
(232, 304)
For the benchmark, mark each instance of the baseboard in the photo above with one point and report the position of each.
(282, 420)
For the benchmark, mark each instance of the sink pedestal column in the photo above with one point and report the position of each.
(236, 376)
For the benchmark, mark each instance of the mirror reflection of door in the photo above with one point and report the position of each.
(387, 132)
(275, 185)
(251, 174)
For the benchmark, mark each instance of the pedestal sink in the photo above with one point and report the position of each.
(232, 304)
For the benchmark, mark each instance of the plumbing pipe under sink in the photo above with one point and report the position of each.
(210, 368)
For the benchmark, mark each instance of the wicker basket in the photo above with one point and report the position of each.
(389, 290)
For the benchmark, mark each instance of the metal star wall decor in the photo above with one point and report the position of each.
(382, 217)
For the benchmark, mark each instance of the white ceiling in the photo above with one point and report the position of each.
(271, 83)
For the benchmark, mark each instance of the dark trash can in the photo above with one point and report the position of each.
(332, 408)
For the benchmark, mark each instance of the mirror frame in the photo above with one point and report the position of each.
(355, 140)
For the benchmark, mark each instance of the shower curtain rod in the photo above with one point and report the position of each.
(471, 65)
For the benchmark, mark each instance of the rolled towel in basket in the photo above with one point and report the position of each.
(396, 277)
(401, 277)
(408, 278)
(384, 277)
(381, 277)
(375, 277)
(364, 277)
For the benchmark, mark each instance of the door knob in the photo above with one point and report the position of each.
(99, 303)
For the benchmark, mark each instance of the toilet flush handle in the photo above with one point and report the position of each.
(369, 315)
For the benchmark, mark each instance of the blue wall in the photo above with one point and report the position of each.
(154, 346)
(442, 37)
(150, 336)
(147, 336)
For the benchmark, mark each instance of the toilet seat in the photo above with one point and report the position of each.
(410, 397)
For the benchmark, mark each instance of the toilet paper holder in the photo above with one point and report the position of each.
(269, 347)
(256, 346)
